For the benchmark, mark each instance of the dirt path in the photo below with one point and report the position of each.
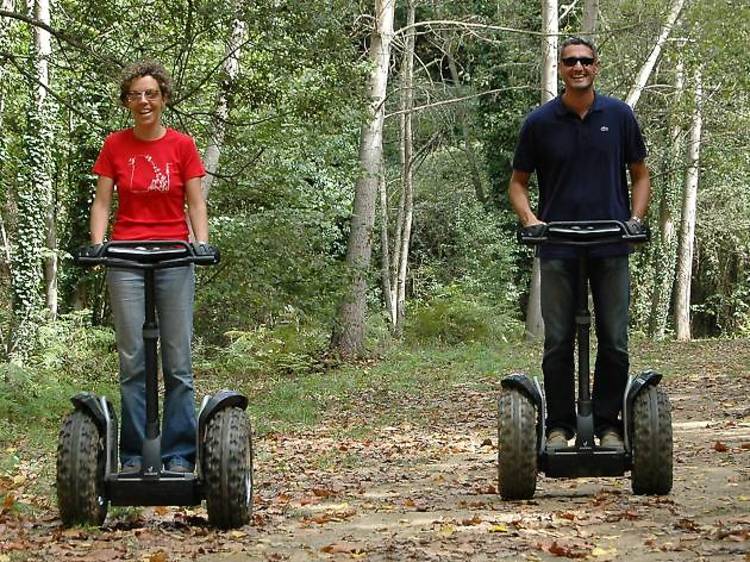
(423, 488)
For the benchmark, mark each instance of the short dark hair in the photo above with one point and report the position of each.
(575, 40)
(145, 68)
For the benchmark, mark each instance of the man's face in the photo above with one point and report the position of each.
(578, 67)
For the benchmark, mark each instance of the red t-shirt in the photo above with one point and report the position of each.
(150, 178)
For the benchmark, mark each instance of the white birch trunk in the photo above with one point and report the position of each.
(648, 66)
(348, 335)
(687, 229)
(407, 141)
(229, 71)
(385, 255)
(44, 188)
(534, 322)
(664, 259)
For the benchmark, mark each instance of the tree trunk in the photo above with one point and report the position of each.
(590, 16)
(645, 72)
(229, 71)
(348, 334)
(665, 254)
(407, 156)
(33, 205)
(385, 255)
(44, 181)
(534, 322)
(4, 46)
(474, 171)
(687, 228)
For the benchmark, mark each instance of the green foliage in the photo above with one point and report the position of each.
(455, 318)
(287, 349)
(71, 356)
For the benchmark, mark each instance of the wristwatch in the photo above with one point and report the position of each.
(636, 219)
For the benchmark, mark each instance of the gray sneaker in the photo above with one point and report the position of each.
(611, 439)
(557, 439)
(131, 467)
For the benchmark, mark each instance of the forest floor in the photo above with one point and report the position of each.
(390, 475)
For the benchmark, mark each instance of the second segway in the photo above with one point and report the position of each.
(646, 411)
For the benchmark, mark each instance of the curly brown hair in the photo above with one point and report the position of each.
(145, 68)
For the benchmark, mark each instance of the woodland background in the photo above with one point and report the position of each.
(359, 156)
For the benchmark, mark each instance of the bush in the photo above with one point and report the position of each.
(282, 350)
(455, 318)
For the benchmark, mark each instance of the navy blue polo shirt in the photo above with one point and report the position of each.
(581, 164)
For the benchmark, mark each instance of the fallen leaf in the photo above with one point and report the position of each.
(566, 550)
(159, 556)
(446, 530)
(343, 548)
(498, 529)
(720, 447)
(601, 552)
(476, 520)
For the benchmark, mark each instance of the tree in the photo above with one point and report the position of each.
(648, 66)
(687, 227)
(35, 228)
(228, 75)
(348, 334)
(534, 322)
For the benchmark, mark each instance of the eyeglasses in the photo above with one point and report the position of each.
(572, 61)
(151, 95)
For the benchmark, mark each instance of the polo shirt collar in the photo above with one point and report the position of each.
(561, 109)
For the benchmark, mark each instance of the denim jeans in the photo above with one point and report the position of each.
(609, 281)
(174, 292)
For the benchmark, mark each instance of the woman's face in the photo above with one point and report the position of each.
(145, 102)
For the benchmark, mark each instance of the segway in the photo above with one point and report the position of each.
(646, 416)
(87, 453)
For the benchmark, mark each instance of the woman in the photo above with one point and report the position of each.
(155, 171)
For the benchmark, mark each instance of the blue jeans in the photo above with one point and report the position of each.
(609, 280)
(174, 292)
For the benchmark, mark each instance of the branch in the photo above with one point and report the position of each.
(62, 101)
(456, 100)
(62, 36)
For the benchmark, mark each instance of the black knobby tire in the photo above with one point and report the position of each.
(517, 446)
(652, 442)
(228, 469)
(81, 462)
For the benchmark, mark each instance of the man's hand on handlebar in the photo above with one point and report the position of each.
(635, 226)
(538, 230)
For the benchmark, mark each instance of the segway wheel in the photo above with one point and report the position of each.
(517, 446)
(81, 462)
(228, 469)
(652, 443)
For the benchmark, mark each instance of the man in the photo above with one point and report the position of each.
(580, 146)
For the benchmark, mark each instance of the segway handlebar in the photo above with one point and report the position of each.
(583, 233)
(146, 254)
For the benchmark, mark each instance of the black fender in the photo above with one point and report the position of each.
(534, 392)
(210, 407)
(101, 411)
(635, 386)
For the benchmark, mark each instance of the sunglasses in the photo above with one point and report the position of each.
(572, 61)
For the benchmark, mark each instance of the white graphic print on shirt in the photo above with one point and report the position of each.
(159, 179)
